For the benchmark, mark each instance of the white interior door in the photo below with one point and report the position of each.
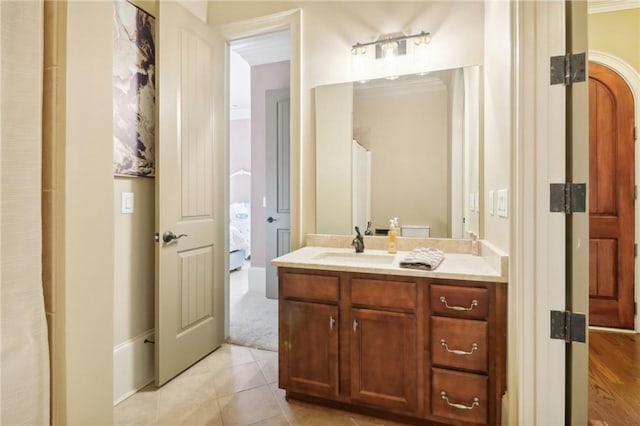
(278, 209)
(189, 318)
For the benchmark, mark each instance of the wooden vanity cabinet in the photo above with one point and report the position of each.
(467, 335)
(383, 343)
(308, 334)
(413, 349)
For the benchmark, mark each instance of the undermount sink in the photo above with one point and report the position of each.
(360, 258)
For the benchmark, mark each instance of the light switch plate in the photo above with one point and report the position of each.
(127, 202)
(502, 209)
(491, 205)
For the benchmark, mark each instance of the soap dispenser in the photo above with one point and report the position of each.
(475, 245)
(392, 235)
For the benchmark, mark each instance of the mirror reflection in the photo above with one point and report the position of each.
(406, 148)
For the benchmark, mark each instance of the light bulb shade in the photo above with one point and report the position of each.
(360, 61)
(421, 54)
(389, 49)
(398, 52)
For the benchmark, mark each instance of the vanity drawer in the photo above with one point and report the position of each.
(462, 302)
(322, 288)
(383, 294)
(459, 343)
(459, 396)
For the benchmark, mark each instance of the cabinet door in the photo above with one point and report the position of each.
(383, 359)
(309, 348)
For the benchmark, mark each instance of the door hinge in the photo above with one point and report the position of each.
(568, 326)
(635, 249)
(568, 69)
(568, 197)
(635, 192)
(635, 133)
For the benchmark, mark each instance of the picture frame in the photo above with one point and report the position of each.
(134, 93)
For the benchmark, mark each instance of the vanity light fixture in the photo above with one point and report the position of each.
(391, 44)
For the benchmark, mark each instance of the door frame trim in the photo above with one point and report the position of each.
(292, 20)
(632, 78)
(536, 364)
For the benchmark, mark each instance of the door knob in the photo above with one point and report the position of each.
(271, 220)
(169, 236)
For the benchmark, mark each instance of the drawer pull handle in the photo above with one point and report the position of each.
(443, 300)
(476, 402)
(332, 322)
(474, 347)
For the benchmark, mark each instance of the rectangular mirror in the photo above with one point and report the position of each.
(408, 148)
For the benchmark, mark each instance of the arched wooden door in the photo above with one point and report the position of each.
(611, 199)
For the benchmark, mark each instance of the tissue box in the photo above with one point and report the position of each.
(417, 231)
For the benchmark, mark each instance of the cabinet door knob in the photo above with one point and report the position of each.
(474, 404)
(355, 325)
(332, 322)
(474, 347)
(443, 300)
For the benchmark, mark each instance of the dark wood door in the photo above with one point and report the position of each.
(383, 359)
(309, 353)
(611, 199)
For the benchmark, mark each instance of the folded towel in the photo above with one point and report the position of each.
(423, 258)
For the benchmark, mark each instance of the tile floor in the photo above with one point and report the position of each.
(234, 385)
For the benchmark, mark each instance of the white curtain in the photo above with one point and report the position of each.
(361, 186)
(24, 347)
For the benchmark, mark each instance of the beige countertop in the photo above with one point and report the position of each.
(458, 266)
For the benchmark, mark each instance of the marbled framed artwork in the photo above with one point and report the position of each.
(134, 92)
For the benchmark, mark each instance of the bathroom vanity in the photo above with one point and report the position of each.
(360, 333)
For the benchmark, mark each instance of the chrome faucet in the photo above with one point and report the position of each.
(358, 241)
(368, 231)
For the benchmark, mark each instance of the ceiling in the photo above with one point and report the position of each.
(264, 48)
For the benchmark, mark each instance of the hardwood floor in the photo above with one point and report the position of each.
(614, 378)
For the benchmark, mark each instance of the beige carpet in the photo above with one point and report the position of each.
(253, 317)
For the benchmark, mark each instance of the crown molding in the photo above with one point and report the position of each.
(601, 6)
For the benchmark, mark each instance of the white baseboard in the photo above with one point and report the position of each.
(133, 366)
(258, 279)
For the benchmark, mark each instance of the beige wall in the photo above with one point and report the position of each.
(133, 275)
(329, 31)
(617, 33)
(88, 252)
(496, 153)
(334, 110)
(408, 137)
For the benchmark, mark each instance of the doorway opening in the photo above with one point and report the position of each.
(614, 90)
(258, 64)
